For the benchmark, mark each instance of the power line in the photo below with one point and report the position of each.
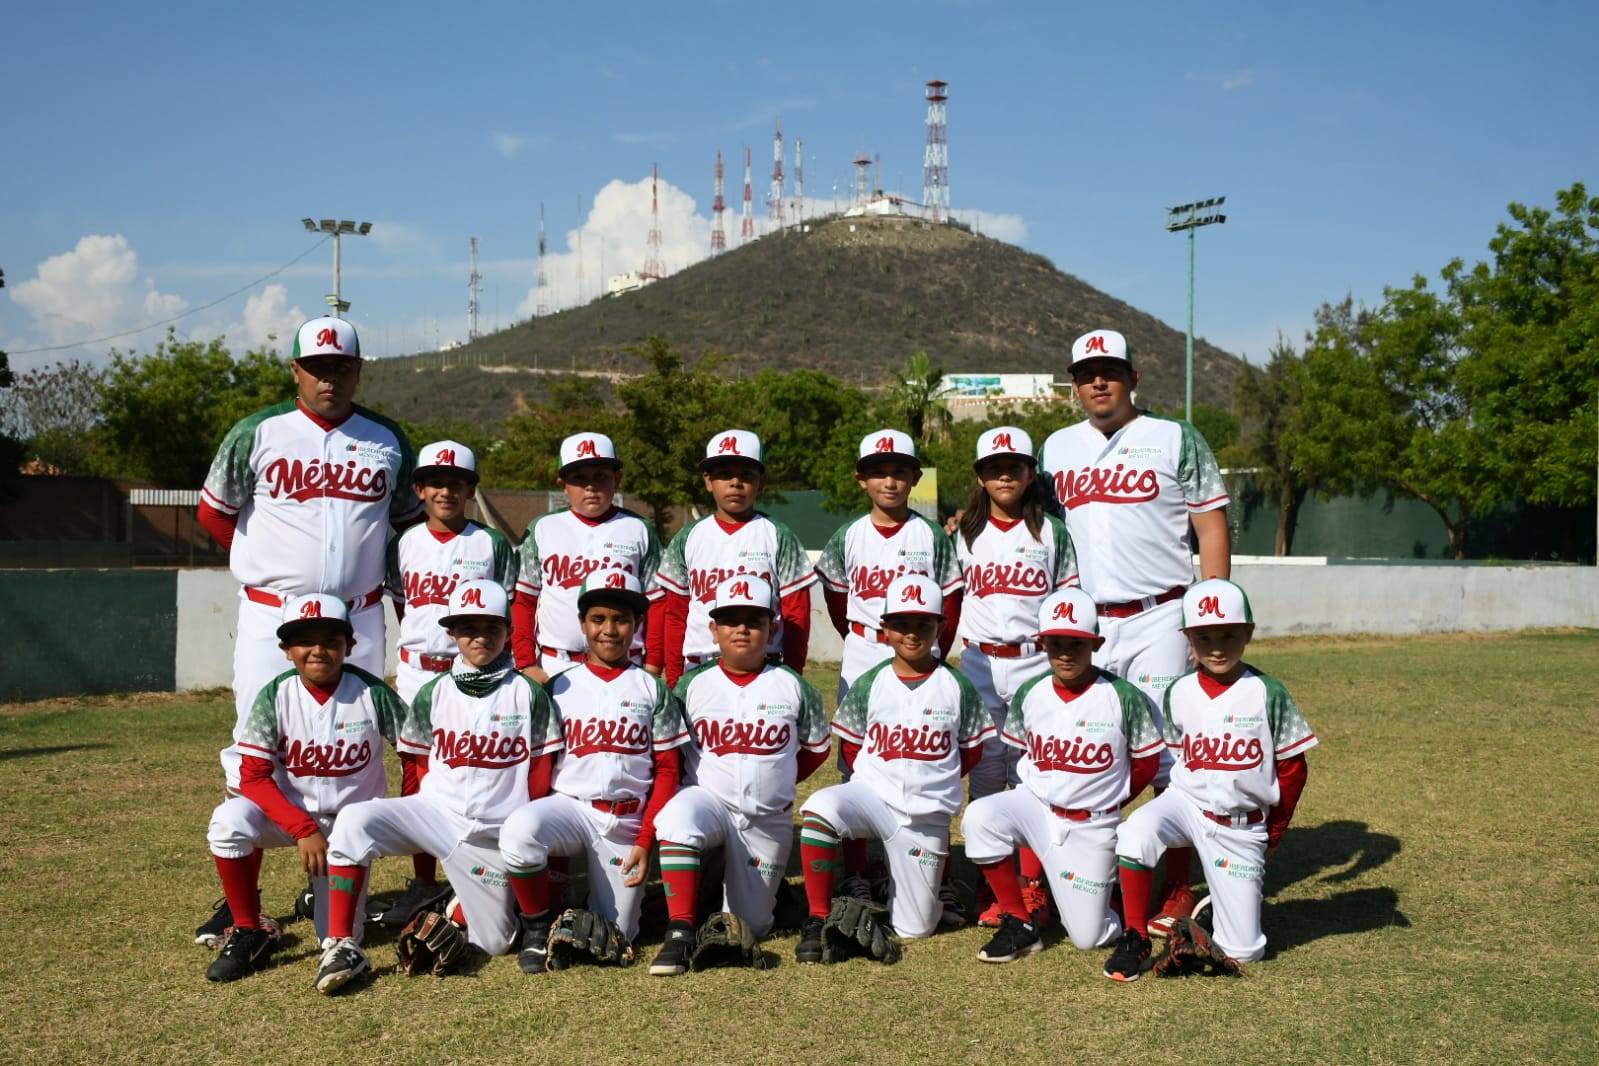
(185, 314)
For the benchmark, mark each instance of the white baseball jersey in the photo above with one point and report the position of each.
(863, 559)
(326, 755)
(562, 548)
(424, 568)
(1127, 498)
(1008, 572)
(709, 551)
(746, 733)
(614, 721)
(1227, 747)
(1077, 751)
(911, 734)
(314, 500)
(479, 747)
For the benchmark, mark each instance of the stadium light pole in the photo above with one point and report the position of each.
(338, 227)
(1187, 217)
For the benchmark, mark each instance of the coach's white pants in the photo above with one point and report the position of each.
(916, 850)
(409, 824)
(756, 849)
(1149, 651)
(1233, 858)
(408, 680)
(1079, 857)
(238, 827)
(257, 659)
(996, 681)
(560, 825)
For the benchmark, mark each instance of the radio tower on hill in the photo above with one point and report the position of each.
(746, 226)
(774, 202)
(799, 180)
(718, 206)
(472, 280)
(541, 285)
(653, 270)
(863, 178)
(935, 166)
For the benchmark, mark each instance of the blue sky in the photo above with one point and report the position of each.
(155, 161)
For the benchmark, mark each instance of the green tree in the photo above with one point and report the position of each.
(796, 413)
(1267, 401)
(528, 456)
(12, 450)
(55, 412)
(1219, 428)
(918, 400)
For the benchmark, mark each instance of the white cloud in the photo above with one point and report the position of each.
(268, 321)
(1012, 229)
(1238, 79)
(508, 145)
(92, 291)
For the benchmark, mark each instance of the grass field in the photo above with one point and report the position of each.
(1434, 901)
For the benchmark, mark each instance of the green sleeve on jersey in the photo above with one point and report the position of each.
(386, 704)
(1138, 725)
(1052, 504)
(650, 561)
(418, 731)
(1065, 552)
(831, 565)
(812, 725)
(544, 725)
(1197, 471)
(393, 580)
(1169, 732)
(855, 709)
(506, 560)
(260, 728)
(680, 693)
(1288, 726)
(946, 567)
(975, 719)
(1015, 731)
(794, 570)
(667, 728)
(529, 570)
(672, 574)
(231, 480)
(403, 503)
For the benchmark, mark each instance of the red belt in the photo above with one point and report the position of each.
(272, 599)
(562, 653)
(1128, 608)
(867, 632)
(437, 663)
(1254, 817)
(1074, 814)
(1001, 651)
(617, 807)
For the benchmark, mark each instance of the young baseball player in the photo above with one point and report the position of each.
(311, 747)
(734, 540)
(1088, 745)
(1013, 554)
(620, 766)
(757, 729)
(563, 547)
(910, 729)
(1130, 486)
(1240, 743)
(489, 736)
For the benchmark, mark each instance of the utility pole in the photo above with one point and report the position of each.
(1186, 217)
(337, 227)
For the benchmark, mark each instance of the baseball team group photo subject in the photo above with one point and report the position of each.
(601, 739)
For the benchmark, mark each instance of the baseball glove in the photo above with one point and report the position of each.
(726, 940)
(859, 927)
(577, 933)
(1189, 949)
(430, 943)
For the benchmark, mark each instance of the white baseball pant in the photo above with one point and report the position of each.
(560, 825)
(408, 680)
(409, 824)
(757, 849)
(257, 659)
(1233, 858)
(238, 827)
(916, 850)
(1149, 651)
(553, 660)
(860, 655)
(1079, 857)
(996, 681)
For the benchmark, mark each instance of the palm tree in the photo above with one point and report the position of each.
(919, 398)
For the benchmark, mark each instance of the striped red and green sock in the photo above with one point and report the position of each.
(819, 856)
(1137, 881)
(680, 873)
(531, 884)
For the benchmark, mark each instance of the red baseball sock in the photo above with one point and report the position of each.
(855, 857)
(1032, 866)
(344, 888)
(532, 892)
(239, 885)
(1136, 884)
(426, 867)
(1007, 889)
(1179, 864)
(680, 873)
(819, 851)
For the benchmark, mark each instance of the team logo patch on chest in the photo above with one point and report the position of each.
(1094, 484)
(619, 736)
(339, 759)
(1072, 755)
(491, 751)
(1226, 752)
(350, 480)
(928, 742)
(721, 736)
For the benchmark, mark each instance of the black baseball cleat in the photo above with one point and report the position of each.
(1127, 962)
(305, 902)
(211, 932)
(535, 954)
(342, 962)
(397, 912)
(244, 952)
(673, 956)
(1015, 939)
(809, 948)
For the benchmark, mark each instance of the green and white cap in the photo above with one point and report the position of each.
(1216, 602)
(327, 336)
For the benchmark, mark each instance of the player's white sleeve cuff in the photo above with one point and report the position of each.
(411, 747)
(216, 503)
(1146, 751)
(831, 585)
(956, 585)
(820, 745)
(1209, 505)
(1304, 743)
(978, 738)
(1015, 742)
(850, 735)
(669, 585)
(805, 580)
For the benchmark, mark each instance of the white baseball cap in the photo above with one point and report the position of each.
(886, 444)
(327, 336)
(613, 585)
(1070, 612)
(733, 444)
(1216, 602)
(913, 594)
(1100, 344)
(588, 448)
(446, 455)
(477, 599)
(298, 611)
(744, 590)
(1005, 440)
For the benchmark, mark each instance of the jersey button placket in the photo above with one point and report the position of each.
(332, 524)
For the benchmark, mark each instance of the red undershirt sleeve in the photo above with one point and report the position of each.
(796, 609)
(837, 609)
(851, 750)
(655, 634)
(970, 757)
(663, 786)
(256, 784)
(539, 773)
(413, 768)
(1291, 776)
(220, 526)
(1144, 771)
(952, 621)
(524, 629)
(811, 761)
(672, 639)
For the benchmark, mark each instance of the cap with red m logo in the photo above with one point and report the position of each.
(327, 336)
(734, 444)
(886, 444)
(1216, 602)
(446, 456)
(1101, 344)
(476, 599)
(588, 448)
(1009, 441)
(744, 590)
(301, 612)
(913, 594)
(1068, 612)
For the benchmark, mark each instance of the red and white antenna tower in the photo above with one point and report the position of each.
(652, 270)
(863, 178)
(935, 164)
(774, 201)
(746, 226)
(718, 206)
(541, 304)
(799, 180)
